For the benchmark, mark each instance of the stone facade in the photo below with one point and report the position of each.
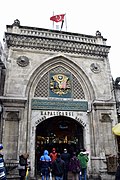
(35, 58)
(116, 85)
(2, 79)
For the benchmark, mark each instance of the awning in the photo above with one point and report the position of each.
(116, 129)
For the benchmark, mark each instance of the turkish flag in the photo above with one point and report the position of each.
(57, 18)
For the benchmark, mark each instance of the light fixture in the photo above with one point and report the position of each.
(63, 125)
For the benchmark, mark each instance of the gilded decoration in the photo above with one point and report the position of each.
(60, 84)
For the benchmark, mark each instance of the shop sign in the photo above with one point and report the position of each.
(40, 104)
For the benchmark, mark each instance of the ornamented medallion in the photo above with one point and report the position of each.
(95, 68)
(60, 84)
(23, 61)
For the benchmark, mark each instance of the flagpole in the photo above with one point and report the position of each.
(66, 22)
(53, 21)
(62, 25)
(62, 22)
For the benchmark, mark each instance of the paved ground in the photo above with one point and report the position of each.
(69, 177)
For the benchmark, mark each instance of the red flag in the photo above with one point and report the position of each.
(57, 18)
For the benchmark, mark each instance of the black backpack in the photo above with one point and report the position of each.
(59, 166)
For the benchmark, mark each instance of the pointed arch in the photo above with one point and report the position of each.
(67, 64)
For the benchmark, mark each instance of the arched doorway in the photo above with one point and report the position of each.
(48, 105)
(59, 132)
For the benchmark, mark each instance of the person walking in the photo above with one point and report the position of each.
(58, 168)
(2, 167)
(65, 156)
(45, 165)
(117, 174)
(83, 158)
(74, 167)
(23, 166)
(53, 155)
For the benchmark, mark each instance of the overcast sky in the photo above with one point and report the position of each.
(82, 16)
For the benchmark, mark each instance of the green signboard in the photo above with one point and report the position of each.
(38, 104)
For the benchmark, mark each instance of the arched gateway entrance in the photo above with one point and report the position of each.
(59, 129)
(59, 132)
(59, 98)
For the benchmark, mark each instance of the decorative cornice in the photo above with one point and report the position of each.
(104, 103)
(58, 42)
(12, 99)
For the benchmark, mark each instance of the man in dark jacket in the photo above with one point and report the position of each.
(65, 156)
(58, 168)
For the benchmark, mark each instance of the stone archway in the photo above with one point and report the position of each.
(45, 104)
(61, 132)
(78, 121)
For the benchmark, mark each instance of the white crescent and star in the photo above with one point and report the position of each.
(58, 18)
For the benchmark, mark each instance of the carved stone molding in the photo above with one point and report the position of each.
(56, 44)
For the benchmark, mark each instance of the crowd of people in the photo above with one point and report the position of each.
(55, 164)
(60, 164)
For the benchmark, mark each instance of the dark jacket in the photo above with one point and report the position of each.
(58, 167)
(74, 165)
(66, 158)
(117, 175)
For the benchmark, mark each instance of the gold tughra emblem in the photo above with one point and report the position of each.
(60, 84)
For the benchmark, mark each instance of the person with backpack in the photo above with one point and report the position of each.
(74, 167)
(45, 165)
(58, 168)
(83, 158)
